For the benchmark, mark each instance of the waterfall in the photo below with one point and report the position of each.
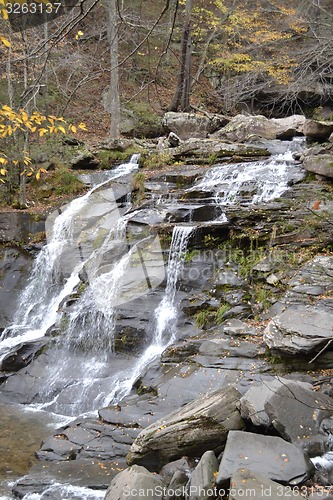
(165, 317)
(55, 272)
(250, 182)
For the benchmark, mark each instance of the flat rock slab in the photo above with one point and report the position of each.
(253, 403)
(300, 329)
(199, 426)
(83, 473)
(296, 411)
(248, 484)
(268, 455)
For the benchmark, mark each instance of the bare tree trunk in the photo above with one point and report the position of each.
(114, 76)
(181, 99)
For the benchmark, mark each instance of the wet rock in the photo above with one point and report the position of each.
(136, 479)
(321, 165)
(82, 473)
(241, 128)
(202, 478)
(14, 267)
(20, 226)
(245, 483)
(199, 426)
(299, 329)
(253, 403)
(268, 455)
(318, 130)
(22, 355)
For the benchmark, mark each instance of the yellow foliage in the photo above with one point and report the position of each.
(20, 123)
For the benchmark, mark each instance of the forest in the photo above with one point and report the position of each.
(96, 64)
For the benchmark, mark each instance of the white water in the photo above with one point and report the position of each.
(56, 270)
(66, 492)
(251, 182)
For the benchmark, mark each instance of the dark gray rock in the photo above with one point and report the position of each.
(253, 403)
(199, 426)
(202, 478)
(22, 355)
(321, 165)
(248, 484)
(135, 479)
(234, 327)
(268, 455)
(299, 329)
(83, 473)
(20, 226)
(296, 411)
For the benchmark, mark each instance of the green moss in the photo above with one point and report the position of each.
(155, 160)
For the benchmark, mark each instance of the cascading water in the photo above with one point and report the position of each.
(59, 261)
(251, 182)
(88, 246)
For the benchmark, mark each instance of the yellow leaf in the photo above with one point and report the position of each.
(62, 129)
(42, 131)
(1, 180)
(29, 174)
(3, 171)
(38, 176)
(43, 170)
(73, 129)
(3, 161)
(82, 126)
(2, 38)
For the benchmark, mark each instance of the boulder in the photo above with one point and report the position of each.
(318, 130)
(248, 484)
(201, 425)
(202, 478)
(135, 482)
(321, 164)
(253, 403)
(242, 128)
(189, 125)
(296, 411)
(299, 329)
(84, 160)
(289, 127)
(270, 456)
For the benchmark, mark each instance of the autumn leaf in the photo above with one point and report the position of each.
(4, 40)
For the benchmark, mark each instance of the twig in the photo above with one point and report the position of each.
(320, 352)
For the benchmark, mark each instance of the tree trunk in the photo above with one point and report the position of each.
(181, 99)
(114, 73)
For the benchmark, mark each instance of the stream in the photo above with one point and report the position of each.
(99, 265)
